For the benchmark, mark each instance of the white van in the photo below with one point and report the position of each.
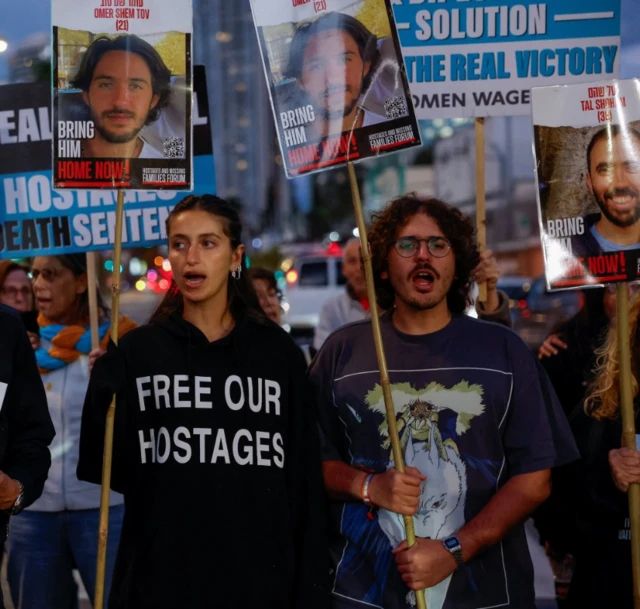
(310, 281)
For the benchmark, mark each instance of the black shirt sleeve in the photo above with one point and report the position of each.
(307, 496)
(108, 377)
(321, 378)
(29, 429)
(583, 494)
(536, 433)
(567, 372)
(502, 315)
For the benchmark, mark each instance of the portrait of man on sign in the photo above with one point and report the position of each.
(334, 58)
(336, 80)
(126, 85)
(613, 178)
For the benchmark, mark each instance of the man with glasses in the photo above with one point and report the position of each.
(353, 304)
(16, 292)
(15, 287)
(479, 430)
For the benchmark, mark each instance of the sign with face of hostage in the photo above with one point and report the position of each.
(587, 147)
(38, 221)
(122, 94)
(338, 87)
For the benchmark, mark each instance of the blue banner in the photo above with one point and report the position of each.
(481, 57)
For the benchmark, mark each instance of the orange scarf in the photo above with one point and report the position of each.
(68, 343)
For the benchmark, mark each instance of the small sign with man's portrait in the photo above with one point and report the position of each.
(122, 100)
(587, 147)
(337, 81)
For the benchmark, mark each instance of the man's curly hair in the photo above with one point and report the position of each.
(458, 229)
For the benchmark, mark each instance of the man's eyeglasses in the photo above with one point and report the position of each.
(13, 292)
(409, 246)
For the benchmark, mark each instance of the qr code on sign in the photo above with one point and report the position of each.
(395, 107)
(174, 147)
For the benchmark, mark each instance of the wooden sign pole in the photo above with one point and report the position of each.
(481, 199)
(382, 360)
(92, 286)
(628, 428)
(103, 532)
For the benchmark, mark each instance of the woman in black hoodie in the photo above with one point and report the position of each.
(215, 444)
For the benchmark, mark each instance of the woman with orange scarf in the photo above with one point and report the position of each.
(59, 531)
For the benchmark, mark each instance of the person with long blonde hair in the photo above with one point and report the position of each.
(603, 401)
(589, 497)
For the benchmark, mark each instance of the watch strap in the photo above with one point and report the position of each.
(452, 545)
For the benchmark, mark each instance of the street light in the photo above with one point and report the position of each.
(4, 45)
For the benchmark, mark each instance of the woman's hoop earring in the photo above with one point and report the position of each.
(237, 272)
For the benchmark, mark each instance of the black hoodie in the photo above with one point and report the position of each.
(26, 429)
(591, 519)
(216, 452)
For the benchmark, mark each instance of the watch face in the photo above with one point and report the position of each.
(451, 543)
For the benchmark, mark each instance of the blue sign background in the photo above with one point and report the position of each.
(534, 44)
(555, 30)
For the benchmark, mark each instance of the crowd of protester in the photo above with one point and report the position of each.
(249, 474)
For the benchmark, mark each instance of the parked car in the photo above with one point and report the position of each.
(544, 311)
(310, 281)
(517, 290)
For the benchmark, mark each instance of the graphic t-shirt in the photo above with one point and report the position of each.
(471, 413)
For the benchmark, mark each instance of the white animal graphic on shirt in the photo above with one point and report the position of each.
(443, 495)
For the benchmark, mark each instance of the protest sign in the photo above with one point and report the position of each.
(473, 59)
(587, 148)
(36, 220)
(338, 87)
(122, 94)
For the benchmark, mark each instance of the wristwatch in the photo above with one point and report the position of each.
(18, 504)
(452, 544)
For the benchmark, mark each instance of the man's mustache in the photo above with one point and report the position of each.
(118, 112)
(424, 267)
(621, 192)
